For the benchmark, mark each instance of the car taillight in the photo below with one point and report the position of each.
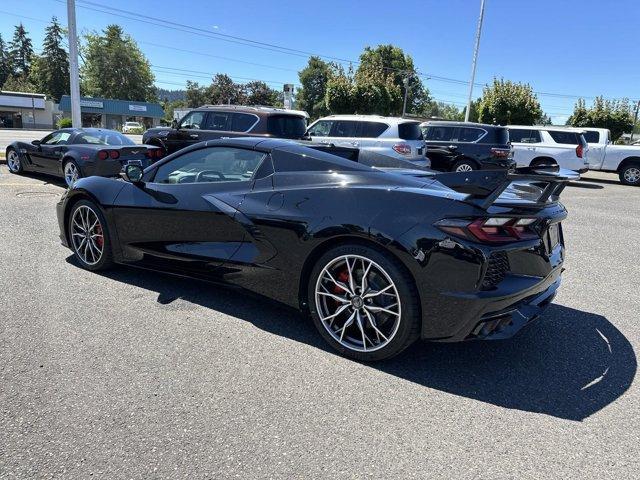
(155, 153)
(114, 154)
(501, 152)
(490, 230)
(103, 154)
(402, 148)
(579, 151)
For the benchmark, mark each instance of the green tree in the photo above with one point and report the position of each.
(19, 83)
(223, 90)
(5, 62)
(114, 67)
(51, 70)
(442, 110)
(314, 79)
(195, 95)
(20, 52)
(259, 93)
(387, 67)
(612, 114)
(507, 103)
(338, 93)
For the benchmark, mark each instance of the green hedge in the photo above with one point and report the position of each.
(65, 123)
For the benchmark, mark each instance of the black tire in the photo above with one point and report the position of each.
(15, 168)
(66, 163)
(408, 328)
(105, 260)
(630, 174)
(464, 166)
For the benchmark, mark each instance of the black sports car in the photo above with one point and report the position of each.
(80, 152)
(379, 258)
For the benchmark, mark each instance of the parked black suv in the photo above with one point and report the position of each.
(463, 146)
(211, 122)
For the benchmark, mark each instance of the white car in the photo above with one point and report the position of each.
(391, 136)
(540, 145)
(131, 126)
(604, 155)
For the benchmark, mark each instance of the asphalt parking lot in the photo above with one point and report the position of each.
(130, 374)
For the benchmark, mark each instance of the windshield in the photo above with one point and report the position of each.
(103, 138)
(287, 126)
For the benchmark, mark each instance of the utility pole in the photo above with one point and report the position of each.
(475, 59)
(406, 91)
(635, 121)
(74, 79)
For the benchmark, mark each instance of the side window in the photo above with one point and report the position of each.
(218, 121)
(518, 136)
(466, 134)
(592, 136)
(568, 138)
(57, 138)
(242, 122)
(213, 164)
(372, 129)
(439, 133)
(193, 120)
(322, 128)
(345, 128)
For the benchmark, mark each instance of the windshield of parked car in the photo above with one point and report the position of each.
(103, 138)
(287, 126)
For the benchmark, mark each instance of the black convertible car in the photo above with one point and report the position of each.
(379, 258)
(80, 152)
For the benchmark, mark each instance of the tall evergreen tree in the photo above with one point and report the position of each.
(114, 67)
(51, 69)
(5, 62)
(20, 52)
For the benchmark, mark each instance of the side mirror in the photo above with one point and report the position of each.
(36, 143)
(174, 124)
(133, 173)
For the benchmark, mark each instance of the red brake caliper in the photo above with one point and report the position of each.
(100, 238)
(343, 277)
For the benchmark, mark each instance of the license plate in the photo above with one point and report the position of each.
(553, 235)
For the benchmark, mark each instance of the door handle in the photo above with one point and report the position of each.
(355, 144)
(194, 135)
(452, 147)
(531, 148)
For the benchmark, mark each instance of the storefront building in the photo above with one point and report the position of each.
(109, 113)
(26, 110)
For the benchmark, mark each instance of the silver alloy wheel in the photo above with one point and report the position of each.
(358, 303)
(13, 161)
(465, 167)
(71, 173)
(87, 235)
(632, 174)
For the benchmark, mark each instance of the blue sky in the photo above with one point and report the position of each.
(562, 48)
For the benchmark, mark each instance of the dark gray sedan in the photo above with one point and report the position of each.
(74, 153)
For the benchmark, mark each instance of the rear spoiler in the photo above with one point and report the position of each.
(485, 187)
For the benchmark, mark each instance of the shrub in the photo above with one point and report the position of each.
(135, 131)
(65, 123)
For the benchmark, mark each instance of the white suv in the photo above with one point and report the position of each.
(391, 136)
(540, 145)
(131, 126)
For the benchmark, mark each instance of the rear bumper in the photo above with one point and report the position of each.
(505, 313)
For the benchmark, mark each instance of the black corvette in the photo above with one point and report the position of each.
(379, 258)
(81, 152)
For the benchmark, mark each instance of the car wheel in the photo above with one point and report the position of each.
(630, 174)
(89, 236)
(363, 303)
(13, 161)
(464, 166)
(71, 172)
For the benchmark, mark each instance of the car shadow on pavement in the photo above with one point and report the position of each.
(590, 186)
(568, 364)
(44, 178)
